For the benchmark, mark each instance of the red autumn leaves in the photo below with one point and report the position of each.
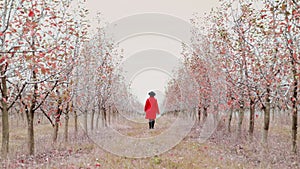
(31, 13)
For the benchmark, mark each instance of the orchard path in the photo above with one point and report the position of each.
(221, 150)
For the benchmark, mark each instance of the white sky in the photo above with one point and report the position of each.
(115, 9)
(166, 50)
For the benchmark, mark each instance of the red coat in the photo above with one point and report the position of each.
(151, 108)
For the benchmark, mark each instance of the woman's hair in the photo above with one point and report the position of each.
(151, 93)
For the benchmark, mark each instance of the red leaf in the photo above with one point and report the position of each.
(223, 51)
(2, 59)
(43, 70)
(5, 101)
(263, 16)
(42, 96)
(289, 28)
(53, 65)
(17, 47)
(1, 34)
(31, 13)
(229, 103)
(42, 54)
(294, 55)
(35, 70)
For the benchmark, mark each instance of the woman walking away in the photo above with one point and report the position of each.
(151, 109)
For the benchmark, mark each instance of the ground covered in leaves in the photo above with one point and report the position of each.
(221, 150)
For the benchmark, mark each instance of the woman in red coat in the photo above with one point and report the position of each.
(151, 109)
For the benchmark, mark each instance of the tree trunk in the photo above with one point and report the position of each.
(252, 114)
(30, 129)
(294, 112)
(22, 118)
(273, 113)
(18, 118)
(5, 131)
(266, 117)
(76, 123)
(30, 117)
(116, 116)
(5, 120)
(216, 116)
(104, 118)
(57, 120)
(241, 118)
(66, 131)
(108, 114)
(204, 114)
(98, 117)
(295, 75)
(229, 119)
(294, 129)
(199, 114)
(85, 122)
(92, 119)
(5, 117)
(55, 131)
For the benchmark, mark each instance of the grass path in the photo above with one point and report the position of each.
(222, 150)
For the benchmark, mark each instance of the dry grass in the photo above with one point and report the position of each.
(222, 150)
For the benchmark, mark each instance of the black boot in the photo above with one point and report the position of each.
(150, 125)
(153, 122)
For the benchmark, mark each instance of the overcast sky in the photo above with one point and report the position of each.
(142, 71)
(115, 9)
